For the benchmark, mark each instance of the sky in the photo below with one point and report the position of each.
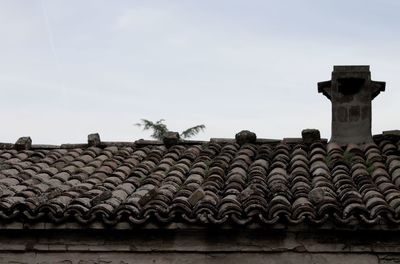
(69, 68)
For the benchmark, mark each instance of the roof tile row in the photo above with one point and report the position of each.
(211, 183)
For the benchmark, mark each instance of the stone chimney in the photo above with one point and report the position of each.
(351, 92)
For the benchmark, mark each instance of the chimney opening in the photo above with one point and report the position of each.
(350, 86)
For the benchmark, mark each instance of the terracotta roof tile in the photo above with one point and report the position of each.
(214, 182)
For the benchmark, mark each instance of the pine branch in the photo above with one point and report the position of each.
(159, 129)
(190, 132)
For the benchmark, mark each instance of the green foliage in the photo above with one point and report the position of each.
(348, 157)
(193, 131)
(159, 129)
(328, 161)
(370, 167)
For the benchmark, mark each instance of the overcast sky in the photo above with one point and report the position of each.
(70, 68)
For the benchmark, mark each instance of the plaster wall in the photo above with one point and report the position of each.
(198, 246)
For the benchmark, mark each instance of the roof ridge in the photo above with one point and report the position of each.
(94, 140)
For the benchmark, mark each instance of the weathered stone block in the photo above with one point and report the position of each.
(94, 139)
(245, 136)
(171, 138)
(23, 143)
(310, 135)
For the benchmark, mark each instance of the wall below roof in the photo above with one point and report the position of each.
(198, 246)
(123, 258)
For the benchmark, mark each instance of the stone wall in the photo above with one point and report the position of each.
(198, 246)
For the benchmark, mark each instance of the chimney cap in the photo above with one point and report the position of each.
(351, 68)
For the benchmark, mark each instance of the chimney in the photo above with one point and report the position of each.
(351, 92)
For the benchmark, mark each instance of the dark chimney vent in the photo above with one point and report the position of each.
(351, 92)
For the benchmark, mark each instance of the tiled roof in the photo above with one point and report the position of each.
(215, 182)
